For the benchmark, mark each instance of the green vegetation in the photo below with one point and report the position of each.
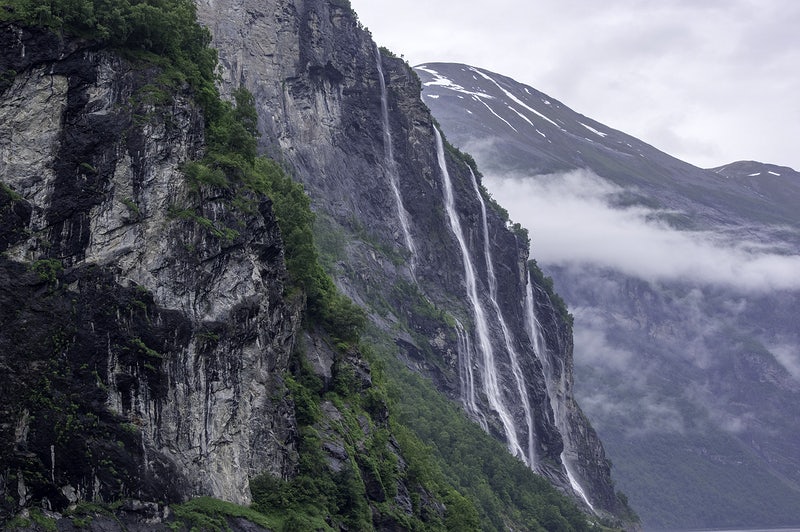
(344, 4)
(141, 348)
(166, 32)
(132, 206)
(505, 492)
(162, 31)
(546, 282)
(231, 166)
(385, 52)
(207, 514)
(369, 469)
(47, 269)
(35, 519)
(335, 312)
(223, 233)
(409, 295)
(7, 78)
(9, 192)
(331, 241)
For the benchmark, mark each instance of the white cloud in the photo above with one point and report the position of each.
(571, 222)
(788, 355)
(592, 345)
(644, 414)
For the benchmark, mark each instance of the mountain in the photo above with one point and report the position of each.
(683, 284)
(175, 355)
(408, 232)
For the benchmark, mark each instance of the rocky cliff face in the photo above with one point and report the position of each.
(143, 348)
(407, 230)
(146, 326)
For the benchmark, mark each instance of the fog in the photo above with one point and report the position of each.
(788, 355)
(687, 307)
(572, 222)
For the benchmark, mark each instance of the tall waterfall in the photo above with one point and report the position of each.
(519, 378)
(484, 344)
(391, 165)
(556, 389)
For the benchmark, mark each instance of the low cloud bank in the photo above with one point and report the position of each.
(571, 221)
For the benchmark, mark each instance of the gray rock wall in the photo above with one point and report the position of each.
(194, 329)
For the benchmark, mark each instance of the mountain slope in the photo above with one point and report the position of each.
(684, 289)
(169, 334)
(540, 135)
(408, 232)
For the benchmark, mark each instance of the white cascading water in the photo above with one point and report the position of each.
(484, 344)
(466, 377)
(522, 389)
(554, 390)
(391, 165)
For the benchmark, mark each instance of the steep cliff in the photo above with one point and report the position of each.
(152, 337)
(406, 229)
(132, 335)
(152, 334)
(152, 344)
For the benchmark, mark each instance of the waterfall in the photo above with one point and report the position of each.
(467, 378)
(522, 389)
(391, 165)
(554, 389)
(484, 344)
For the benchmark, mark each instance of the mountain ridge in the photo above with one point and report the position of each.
(585, 142)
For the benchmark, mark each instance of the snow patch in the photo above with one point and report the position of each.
(593, 130)
(522, 116)
(432, 96)
(517, 100)
(774, 173)
(441, 81)
(754, 175)
(477, 98)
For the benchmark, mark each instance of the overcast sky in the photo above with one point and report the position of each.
(708, 81)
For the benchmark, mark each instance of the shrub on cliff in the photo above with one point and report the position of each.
(165, 29)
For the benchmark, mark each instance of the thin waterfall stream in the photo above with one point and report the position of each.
(553, 389)
(391, 166)
(484, 344)
(467, 378)
(519, 378)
